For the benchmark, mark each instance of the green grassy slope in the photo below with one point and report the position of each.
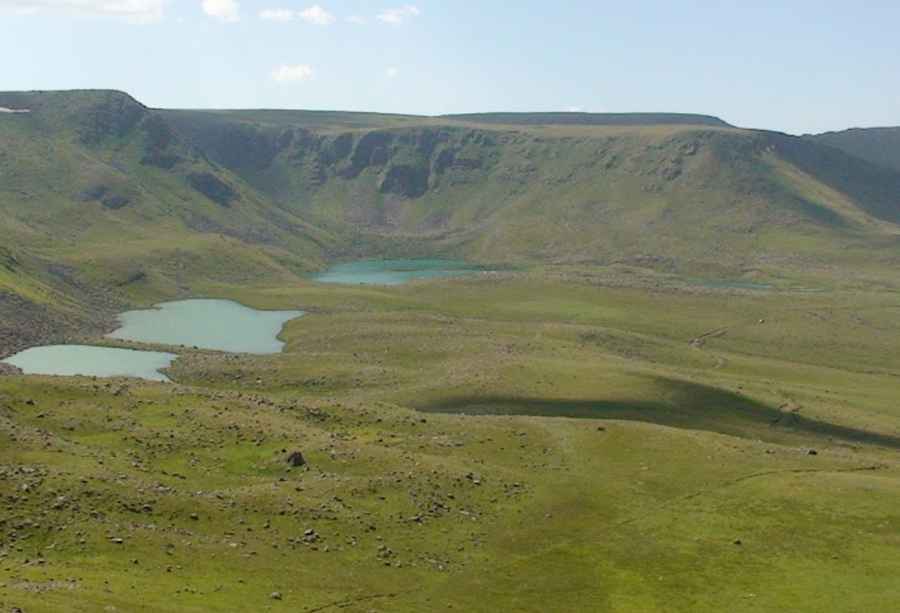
(90, 167)
(104, 202)
(878, 145)
(153, 497)
(674, 192)
(702, 198)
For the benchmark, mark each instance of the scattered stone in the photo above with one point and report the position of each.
(812, 452)
(310, 536)
(275, 595)
(296, 459)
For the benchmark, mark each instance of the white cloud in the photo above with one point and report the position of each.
(132, 11)
(282, 15)
(225, 10)
(317, 15)
(392, 72)
(396, 16)
(575, 109)
(291, 74)
(357, 19)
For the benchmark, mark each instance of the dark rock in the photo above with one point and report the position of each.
(373, 149)
(133, 277)
(336, 149)
(8, 259)
(105, 195)
(296, 459)
(244, 146)
(443, 160)
(405, 180)
(94, 192)
(213, 188)
(159, 138)
(112, 115)
(812, 452)
(115, 202)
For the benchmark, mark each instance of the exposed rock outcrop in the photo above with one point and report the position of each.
(213, 188)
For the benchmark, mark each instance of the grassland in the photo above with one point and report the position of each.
(665, 465)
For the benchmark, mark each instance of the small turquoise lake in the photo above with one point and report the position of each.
(211, 324)
(70, 360)
(393, 272)
(223, 325)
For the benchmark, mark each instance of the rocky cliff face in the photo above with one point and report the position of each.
(504, 185)
(407, 162)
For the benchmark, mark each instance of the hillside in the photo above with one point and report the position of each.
(103, 202)
(697, 197)
(137, 204)
(877, 145)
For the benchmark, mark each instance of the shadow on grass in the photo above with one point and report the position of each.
(682, 404)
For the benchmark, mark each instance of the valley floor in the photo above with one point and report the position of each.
(542, 441)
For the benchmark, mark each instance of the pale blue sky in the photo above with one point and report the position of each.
(791, 65)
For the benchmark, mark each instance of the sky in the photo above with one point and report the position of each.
(796, 66)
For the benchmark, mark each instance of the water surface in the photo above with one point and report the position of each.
(70, 360)
(211, 324)
(393, 272)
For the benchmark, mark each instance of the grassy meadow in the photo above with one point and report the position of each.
(586, 440)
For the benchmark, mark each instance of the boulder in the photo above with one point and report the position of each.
(295, 459)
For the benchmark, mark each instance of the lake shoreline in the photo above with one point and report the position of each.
(94, 361)
(99, 322)
(37, 332)
(133, 348)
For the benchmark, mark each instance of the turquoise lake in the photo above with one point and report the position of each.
(92, 361)
(223, 325)
(393, 272)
